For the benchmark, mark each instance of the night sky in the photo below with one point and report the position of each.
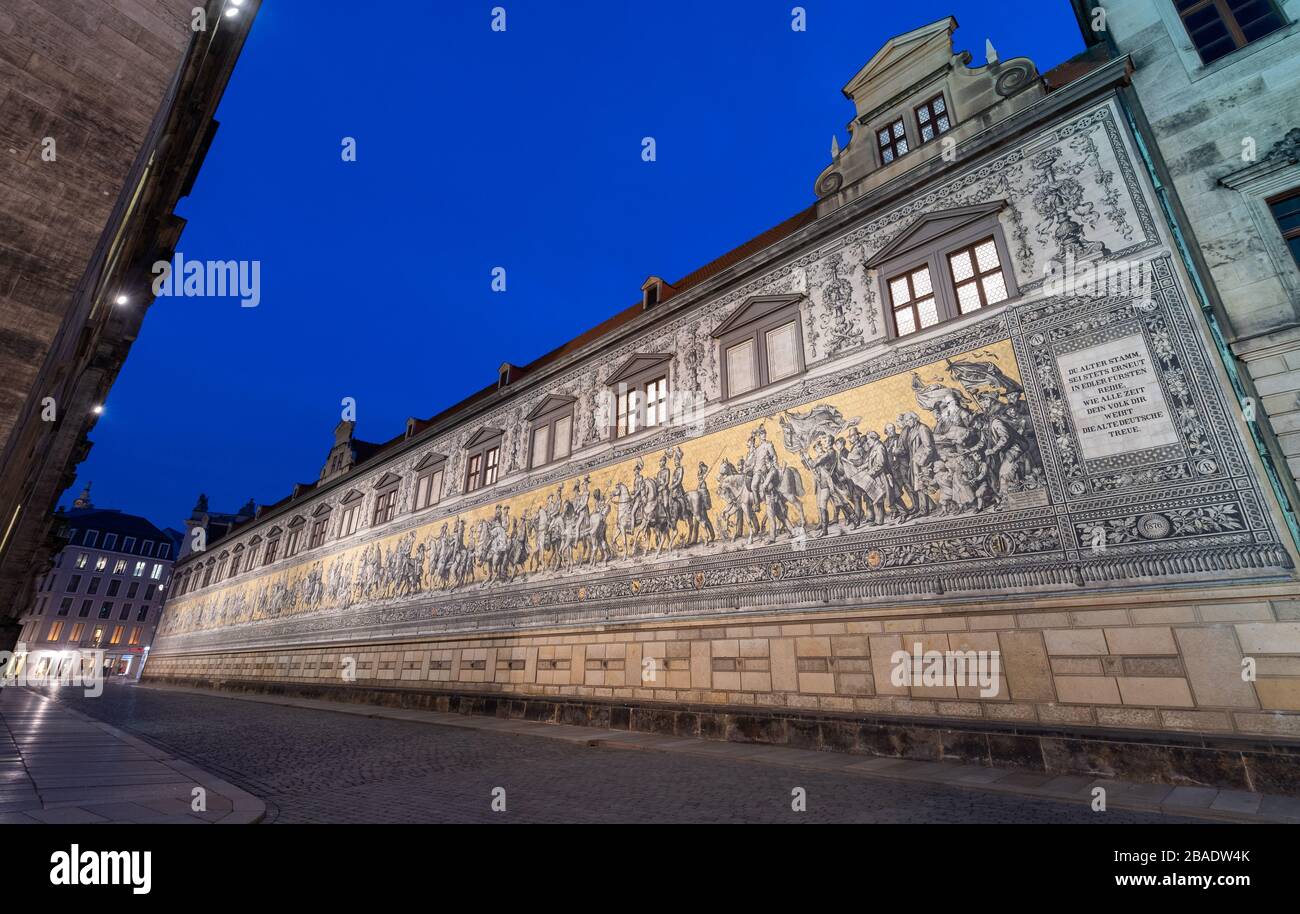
(475, 150)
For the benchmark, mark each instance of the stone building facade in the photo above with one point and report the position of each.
(965, 402)
(106, 113)
(1215, 90)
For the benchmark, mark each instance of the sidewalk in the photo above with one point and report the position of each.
(58, 766)
(1207, 803)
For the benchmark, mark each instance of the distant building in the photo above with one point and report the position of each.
(104, 593)
(214, 525)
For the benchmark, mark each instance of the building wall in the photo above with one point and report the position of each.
(1123, 586)
(1222, 130)
(90, 75)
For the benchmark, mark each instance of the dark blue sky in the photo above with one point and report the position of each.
(475, 150)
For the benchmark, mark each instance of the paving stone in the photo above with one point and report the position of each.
(313, 765)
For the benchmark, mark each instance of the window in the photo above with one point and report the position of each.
(945, 265)
(101, 563)
(1286, 210)
(911, 296)
(91, 537)
(892, 141)
(482, 459)
(131, 590)
(1219, 27)
(135, 634)
(642, 407)
(93, 586)
(125, 613)
(82, 559)
(146, 548)
(128, 544)
(977, 276)
(149, 591)
(139, 569)
(294, 539)
(552, 430)
(272, 546)
(106, 610)
(119, 567)
(932, 119)
(56, 629)
(117, 634)
(114, 587)
(85, 609)
(110, 540)
(761, 343)
(318, 528)
(73, 583)
(77, 630)
(385, 506)
(164, 551)
(65, 606)
(351, 514)
(235, 560)
(143, 614)
(428, 481)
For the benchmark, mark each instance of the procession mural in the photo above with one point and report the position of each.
(948, 439)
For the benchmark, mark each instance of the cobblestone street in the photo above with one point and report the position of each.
(319, 766)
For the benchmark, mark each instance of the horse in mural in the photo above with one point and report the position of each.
(741, 503)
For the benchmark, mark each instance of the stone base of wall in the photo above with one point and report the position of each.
(1265, 766)
(1178, 686)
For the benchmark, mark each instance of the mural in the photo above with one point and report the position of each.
(948, 439)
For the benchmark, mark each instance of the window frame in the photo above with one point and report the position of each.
(634, 377)
(483, 458)
(1228, 17)
(350, 514)
(888, 127)
(385, 504)
(757, 318)
(549, 413)
(432, 467)
(933, 253)
(928, 105)
(1287, 237)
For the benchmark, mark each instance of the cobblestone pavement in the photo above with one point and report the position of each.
(319, 766)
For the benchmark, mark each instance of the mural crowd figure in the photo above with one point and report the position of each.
(977, 450)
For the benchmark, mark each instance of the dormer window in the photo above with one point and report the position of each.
(428, 481)
(933, 119)
(504, 374)
(550, 431)
(483, 459)
(892, 141)
(761, 344)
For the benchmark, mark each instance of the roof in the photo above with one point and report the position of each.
(111, 520)
(365, 450)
